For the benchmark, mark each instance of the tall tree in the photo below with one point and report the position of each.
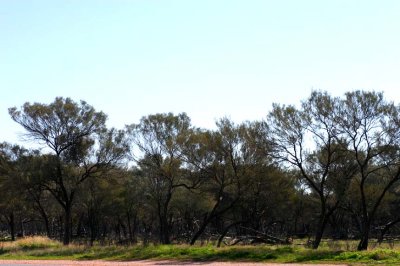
(307, 139)
(79, 141)
(371, 128)
(158, 142)
(217, 157)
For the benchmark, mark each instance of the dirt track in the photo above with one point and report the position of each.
(137, 263)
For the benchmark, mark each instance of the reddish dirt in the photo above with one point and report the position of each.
(146, 262)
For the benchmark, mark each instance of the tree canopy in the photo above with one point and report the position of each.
(328, 167)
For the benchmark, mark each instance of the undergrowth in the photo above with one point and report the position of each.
(44, 248)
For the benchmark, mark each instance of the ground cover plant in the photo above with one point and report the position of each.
(341, 252)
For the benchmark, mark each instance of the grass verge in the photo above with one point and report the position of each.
(43, 248)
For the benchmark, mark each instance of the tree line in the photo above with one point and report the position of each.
(329, 167)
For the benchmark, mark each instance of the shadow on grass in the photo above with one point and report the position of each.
(103, 253)
(314, 255)
(187, 255)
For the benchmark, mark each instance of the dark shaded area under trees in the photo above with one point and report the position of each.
(328, 168)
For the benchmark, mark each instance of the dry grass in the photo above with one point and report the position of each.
(30, 243)
(330, 251)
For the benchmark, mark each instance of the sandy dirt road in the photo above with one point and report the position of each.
(138, 263)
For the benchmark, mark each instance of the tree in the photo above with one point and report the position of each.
(371, 128)
(159, 140)
(217, 158)
(307, 139)
(34, 171)
(78, 139)
(11, 200)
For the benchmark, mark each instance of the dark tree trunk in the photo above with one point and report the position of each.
(201, 230)
(93, 227)
(117, 231)
(164, 230)
(226, 230)
(386, 229)
(382, 234)
(318, 237)
(163, 219)
(12, 226)
(43, 214)
(131, 227)
(93, 233)
(128, 220)
(123, 227)
(79, 226)
(47, 225)
(213, 214)
(320, 228)
(22, 227)
(67, 225)
(323, 220)
(60, 228)
(363, 244)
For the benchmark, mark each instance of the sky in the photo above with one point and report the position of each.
(208, 58)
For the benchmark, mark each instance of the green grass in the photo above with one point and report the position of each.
(330, 252)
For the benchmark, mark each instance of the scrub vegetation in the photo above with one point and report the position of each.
(276, 189)
(43, 248)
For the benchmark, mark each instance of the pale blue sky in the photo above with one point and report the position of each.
(208, 58)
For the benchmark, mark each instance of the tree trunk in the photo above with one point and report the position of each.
(93, 227)
(386, 229)
(22, 226)
(93, 233)
(318, 237)
(128, 221)
(211, 215)
(201, 230)
(43, 214)
(79, 226)
(46, 224)
(323, 220)
(164, 230)
(164, 234)
(123, 227)
(363, 245)
(131, 227)
(60, 228)
(12, 226)
(226, 230)
(381, 235)
(67, 225)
